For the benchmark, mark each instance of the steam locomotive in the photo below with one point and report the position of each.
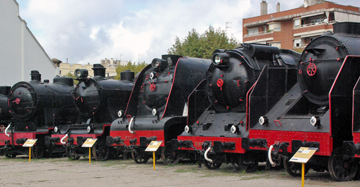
(318, 110)
(37, 108)
(99, 101)
(157, 108)
(5, 115)
(217, 122)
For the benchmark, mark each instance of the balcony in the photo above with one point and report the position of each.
(314, 24)
(258, 34)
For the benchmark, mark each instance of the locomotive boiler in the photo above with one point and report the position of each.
(157, 108)
(37, 108)
(99, 101)
(217, 122)
(315, 110)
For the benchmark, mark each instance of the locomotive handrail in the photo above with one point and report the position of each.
(129, 127)
(62, 139)
(205, 154)
(269, 156)
(8, 135)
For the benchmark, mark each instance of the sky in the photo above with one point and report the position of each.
(86, 31)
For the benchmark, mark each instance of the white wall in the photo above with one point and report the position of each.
(20, 52)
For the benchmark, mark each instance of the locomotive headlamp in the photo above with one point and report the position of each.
(221, 58)
(88, 129)
(81, 73)
(152, 75)
(233, 129)
(120, 113)
(169, 61)
(154, 112)
(188, 129)
(217, 59)
(263, 120)
(313, 121)
(56, 129)
(159, 64)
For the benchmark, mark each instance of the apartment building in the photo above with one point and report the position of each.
(295, 28)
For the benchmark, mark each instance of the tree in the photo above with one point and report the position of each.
(136, 68)
(72, 76)
(202, 46)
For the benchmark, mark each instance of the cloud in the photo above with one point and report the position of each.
(86, 31)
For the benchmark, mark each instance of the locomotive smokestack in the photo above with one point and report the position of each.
(127, 75)
(263, 8)
(35, 75)
(99, 70)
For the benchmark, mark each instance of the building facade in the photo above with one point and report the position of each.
(109, 64)
(295, 28)
(20, 52)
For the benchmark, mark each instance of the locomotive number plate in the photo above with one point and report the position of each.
(303, 155)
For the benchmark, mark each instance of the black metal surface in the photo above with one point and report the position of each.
(36, 106)
(322, 59)
(166, 91)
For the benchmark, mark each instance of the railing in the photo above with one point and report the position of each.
(259, 33)
(315, 23)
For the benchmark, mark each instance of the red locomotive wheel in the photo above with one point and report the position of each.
(311, 69)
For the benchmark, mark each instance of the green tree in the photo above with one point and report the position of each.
(132, 66)
(202, 46)
(72, 76)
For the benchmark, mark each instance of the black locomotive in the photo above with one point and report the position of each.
(37, 108)
(316, 110)
(217, 108)
(5, 115)
(99, 101)
(157, 108)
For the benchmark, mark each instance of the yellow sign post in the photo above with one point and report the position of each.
(30, 143)
(302, 156)
(89, 143)
(153, 146)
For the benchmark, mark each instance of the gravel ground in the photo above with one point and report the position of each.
(63, 172)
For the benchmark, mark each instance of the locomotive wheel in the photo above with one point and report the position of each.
(212, 165)
(37, 151)
(70, 151)
(10, 155)
(293, 169)
(357, 176)
(251, 165)
(169, 156)
(238, 163)
(100, 151)
(341, 165)
(139, 158)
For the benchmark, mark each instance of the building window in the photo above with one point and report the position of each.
(297, 42)
(275, 26)
(276, 44)
(297, 22)
(253, 31)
